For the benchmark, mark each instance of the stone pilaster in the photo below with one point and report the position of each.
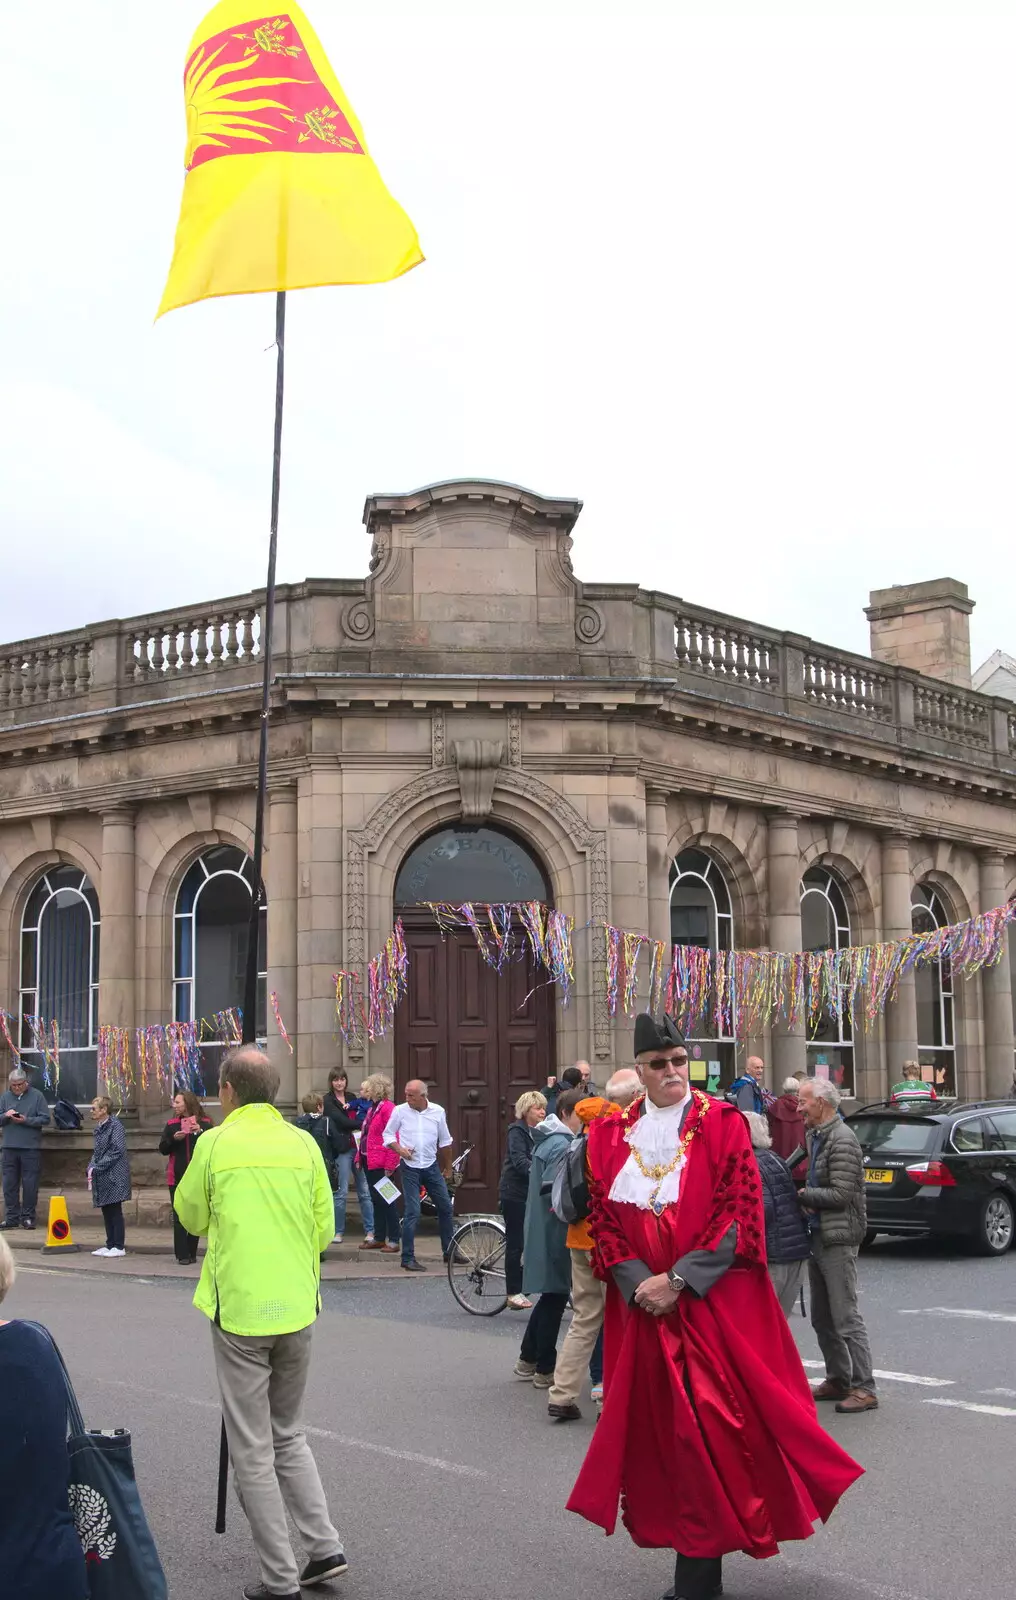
(784, 919)
(658, 865)
(996, 986)
(319, 922)
(281, 886)
(117, 912)
(897, 923)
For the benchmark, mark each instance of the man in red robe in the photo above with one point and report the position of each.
(709, 1437)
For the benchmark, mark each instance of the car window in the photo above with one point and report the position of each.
(903, 1136)
(1005, 1126)
(970, 1135)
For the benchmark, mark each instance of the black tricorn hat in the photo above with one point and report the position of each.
(651, 1034)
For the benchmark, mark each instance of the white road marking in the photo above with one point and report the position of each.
(956, 1311)
(899, 1377)
(970, 1405)
(456, 1468)
(1007, 1394)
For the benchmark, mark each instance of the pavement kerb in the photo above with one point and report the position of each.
(154, 1242)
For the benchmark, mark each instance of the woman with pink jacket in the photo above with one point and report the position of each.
(381, 1161)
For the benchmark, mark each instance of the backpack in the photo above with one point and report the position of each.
(758, 1094)
(66, 1116)
(569, 1197)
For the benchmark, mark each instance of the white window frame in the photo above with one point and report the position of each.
(181, 982)
(934, 906)
(28, 995)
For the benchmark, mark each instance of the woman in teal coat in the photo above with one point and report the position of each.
(546, 1264)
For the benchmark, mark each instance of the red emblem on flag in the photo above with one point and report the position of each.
(255, 90)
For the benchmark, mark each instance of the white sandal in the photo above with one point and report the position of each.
(520, 1302)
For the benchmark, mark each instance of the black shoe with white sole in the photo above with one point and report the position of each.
(335, 1566)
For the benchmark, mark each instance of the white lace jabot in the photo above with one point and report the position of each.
(656, 1136)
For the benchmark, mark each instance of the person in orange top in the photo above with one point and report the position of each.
(587, 1292)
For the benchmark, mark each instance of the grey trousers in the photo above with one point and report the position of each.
(262, 1381)
(786, 1280)
(839, 1328)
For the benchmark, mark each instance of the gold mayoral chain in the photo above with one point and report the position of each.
(658, 1172)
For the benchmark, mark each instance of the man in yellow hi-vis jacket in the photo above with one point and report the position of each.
(257, 1187)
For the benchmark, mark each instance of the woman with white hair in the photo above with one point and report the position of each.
(786, 1124)
(513, 1190)
(787, 1244)
(40, 1553)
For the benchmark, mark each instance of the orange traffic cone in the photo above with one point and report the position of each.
(58, 1229)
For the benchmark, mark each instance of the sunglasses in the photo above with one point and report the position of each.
(668, 1061)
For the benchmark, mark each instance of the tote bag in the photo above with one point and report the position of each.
(120, 1555)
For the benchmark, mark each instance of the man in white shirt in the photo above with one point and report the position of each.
(418, 1132)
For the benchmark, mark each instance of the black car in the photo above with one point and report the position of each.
(949, 1171)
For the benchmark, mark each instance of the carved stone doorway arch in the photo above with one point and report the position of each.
(574, 857)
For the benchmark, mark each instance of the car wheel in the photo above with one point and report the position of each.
(869, 1239)
(995, 1232)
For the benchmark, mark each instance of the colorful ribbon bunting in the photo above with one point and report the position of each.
(502, 931)
(743, 991)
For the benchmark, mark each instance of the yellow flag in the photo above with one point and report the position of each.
(280, 192)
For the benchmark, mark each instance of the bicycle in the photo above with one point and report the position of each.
(476, 1274)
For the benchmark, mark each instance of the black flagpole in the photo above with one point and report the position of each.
(250, 987)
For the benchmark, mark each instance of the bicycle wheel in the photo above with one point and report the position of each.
(476, 1267)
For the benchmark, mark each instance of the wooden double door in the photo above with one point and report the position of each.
(478, 1038)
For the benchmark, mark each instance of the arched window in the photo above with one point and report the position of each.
(60, 977)
(480, 865)
(936, 1023)
(825, 925)
(210, 943)
(700, 915)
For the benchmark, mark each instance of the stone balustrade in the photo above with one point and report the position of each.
(40, 672)
(761, 668)
(718, 647)
(329, 626)
(951, 714)
(190, 643)
(844, 684)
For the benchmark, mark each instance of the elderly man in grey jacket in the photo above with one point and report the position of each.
(23, 1115)
(833, 1202)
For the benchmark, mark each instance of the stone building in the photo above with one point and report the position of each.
(471, 721)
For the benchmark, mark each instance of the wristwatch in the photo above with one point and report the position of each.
(675, 1280)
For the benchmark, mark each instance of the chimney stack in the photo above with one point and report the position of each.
(924, 626)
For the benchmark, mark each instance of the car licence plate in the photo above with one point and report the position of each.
(878, 1175)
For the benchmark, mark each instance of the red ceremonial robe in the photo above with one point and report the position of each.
(709, 1437)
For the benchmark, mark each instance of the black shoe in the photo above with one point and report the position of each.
(257, 1591)
(27, 1222)
(335, 1566)
(567, 1413)
(413, 1266)
(7, 1224)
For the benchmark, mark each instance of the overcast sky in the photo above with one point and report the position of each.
(740, 277)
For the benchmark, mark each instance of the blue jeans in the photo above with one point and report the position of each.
(431, 1178)
(343, 1167)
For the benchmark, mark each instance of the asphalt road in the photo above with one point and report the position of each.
(447, 1480)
